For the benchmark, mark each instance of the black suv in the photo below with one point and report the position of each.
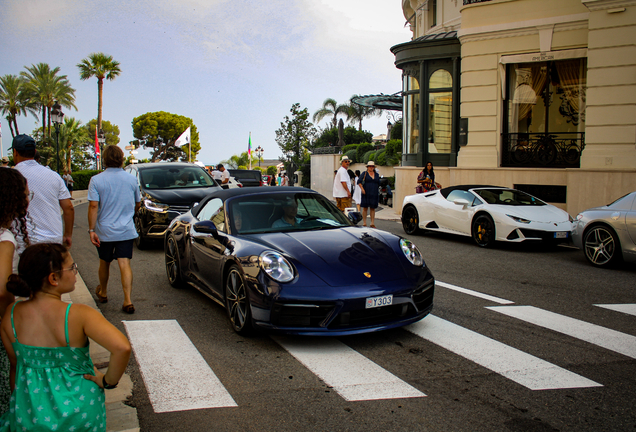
(247, 178)
(168, 189)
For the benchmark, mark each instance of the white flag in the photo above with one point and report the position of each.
(183, 139)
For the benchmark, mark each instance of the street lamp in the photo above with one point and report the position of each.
(57, 116)
(258, 151)
(101, 140)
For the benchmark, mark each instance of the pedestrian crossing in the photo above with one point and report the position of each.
(178, 378)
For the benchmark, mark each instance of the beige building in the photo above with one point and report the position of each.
(534, 94)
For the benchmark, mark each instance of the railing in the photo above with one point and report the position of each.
(552, 150)
(468, 2)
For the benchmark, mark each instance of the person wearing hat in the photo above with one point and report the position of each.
(5, 162)
(369, 183)
(342, 185)
(49, 195)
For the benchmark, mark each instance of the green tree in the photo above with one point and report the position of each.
(159, 131)
(14, 101)
(294, 136)
(44, 87)
(101, 66)
(351, 136)
(356, 113)
(73, 137)
(330, 108)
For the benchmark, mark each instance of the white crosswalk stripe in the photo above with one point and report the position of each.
(352, 376)
(177, 377)
(629, 309)
(520, 367)
(594, 334)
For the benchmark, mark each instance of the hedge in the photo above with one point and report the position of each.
(82, 178)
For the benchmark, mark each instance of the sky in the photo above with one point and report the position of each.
(234, 67)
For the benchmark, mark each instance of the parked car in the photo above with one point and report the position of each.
(319, 275)
(487, 213)
(607, 234)
(266, 179)
(168, 189)
(248, 178)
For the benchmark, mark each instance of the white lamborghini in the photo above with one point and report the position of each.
(487, 214)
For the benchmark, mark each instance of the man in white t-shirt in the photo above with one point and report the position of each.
(225, 176)
(49, 196)
(342, 185)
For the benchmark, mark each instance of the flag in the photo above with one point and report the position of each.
(249, 146)
(97, 153)
(183, 139)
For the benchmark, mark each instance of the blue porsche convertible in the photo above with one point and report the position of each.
(287, 260)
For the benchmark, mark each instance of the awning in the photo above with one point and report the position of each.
(386, 102)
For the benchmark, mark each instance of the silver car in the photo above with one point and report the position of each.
(608, 234)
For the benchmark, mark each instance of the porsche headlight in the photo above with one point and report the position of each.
(519, 220)
(155, 206)
(276, 266)
(411, 252)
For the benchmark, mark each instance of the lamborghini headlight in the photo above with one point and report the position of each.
(519, 220)
(411, 252)
(276, 266)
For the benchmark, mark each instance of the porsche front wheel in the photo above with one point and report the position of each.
(484, 230)
(236, 303)
(410, 220)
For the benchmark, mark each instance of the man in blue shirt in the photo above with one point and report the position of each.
(113, 198)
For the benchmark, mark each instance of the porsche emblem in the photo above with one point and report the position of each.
(367, 274)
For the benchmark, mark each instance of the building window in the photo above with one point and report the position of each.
(411, 114)
(545, 119)
(432, 13)
(440, 108)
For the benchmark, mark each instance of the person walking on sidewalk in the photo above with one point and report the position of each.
(44, 223)
(369, 183)
(342, 185)
(55, 384)
(69, 181)
(113, 198)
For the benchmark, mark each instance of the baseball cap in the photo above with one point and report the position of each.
(22, 143)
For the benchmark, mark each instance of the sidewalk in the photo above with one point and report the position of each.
(119, 416)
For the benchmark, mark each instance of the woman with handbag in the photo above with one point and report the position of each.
(369, 183)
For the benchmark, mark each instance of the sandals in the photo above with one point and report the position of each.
(372, 226)
(100, 298)
(129, 309)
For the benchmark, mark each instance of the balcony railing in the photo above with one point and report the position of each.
(552, 150)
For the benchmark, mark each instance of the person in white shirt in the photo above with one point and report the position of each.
(225, 176)
(342, 185)
(49, 196)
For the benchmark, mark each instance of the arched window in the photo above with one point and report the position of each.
(440, 104)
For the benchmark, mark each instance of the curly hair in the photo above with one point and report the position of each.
(13, 202)
(37, 262)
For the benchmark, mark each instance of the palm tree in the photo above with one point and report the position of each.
(357, 113)
(44, 87)
(101, 66)
(330, 107)
(72, 134)
(14, 101)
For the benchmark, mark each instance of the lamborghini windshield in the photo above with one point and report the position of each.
(508, 197)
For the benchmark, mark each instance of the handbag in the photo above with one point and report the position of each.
(419, 189)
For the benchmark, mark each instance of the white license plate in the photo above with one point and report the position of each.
(374, 302)
(561, 234)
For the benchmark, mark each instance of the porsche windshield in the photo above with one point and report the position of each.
(278, 212)
(508, 197)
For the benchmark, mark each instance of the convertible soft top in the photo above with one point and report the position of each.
(449, 189)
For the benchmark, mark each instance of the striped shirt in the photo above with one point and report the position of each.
(44, 220)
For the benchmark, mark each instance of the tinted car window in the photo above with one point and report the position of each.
(213, 211)
(461, 194)
(175, 177)
(247, 177)
(508, 197)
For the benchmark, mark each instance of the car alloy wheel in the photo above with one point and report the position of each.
(173, 265)
(140, 242)
(236, 302)
(601, 246)
(484, 230)
(410, 220)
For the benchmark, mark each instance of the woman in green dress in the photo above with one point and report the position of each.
(55, 385)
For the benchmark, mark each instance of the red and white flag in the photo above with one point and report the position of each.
(97, 153)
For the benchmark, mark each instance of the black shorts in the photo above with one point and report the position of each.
(69, 187)
(109, 251)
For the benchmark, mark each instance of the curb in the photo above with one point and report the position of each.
(119, 416)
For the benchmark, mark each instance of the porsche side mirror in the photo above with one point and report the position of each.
(355, 217)
(205, 227)
(462, 202)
